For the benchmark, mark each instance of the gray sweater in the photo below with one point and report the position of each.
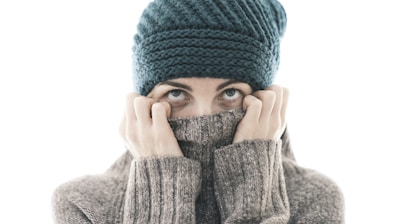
(254, 181)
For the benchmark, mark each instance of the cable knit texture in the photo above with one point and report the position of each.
(254, 181)
(232, 39)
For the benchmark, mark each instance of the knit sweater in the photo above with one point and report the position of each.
(254, 181)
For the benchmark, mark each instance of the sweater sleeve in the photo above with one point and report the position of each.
(313, 197)
(162, 190)
(249, 183)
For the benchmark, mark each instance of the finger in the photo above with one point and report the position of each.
(129, 120)
(276, 110)
(252, 105)
(160, 112)
(143, 109)
(267, 98)
(130, 114)
(122, 127)
(285, 100)
(168, 145)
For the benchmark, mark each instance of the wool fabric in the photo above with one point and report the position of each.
(254, 181)
(231, 39)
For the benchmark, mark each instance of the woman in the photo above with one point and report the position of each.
(205, 129)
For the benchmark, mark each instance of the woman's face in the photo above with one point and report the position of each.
(191, 97)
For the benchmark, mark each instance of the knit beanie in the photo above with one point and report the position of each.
(231, 39)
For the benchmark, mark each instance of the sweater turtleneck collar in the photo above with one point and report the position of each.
(214, 130)
(207, 133)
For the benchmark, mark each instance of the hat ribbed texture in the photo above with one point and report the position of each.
(232, 39)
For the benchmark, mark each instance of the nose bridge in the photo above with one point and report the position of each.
(204, 106)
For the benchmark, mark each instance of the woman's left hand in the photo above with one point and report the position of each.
(265, 116)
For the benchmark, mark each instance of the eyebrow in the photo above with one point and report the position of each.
(227, 83)
(183, 86)
(177, 84)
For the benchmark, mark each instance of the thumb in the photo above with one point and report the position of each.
(160, 112)
(252, 105)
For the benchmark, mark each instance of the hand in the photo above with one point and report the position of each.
(145, 128)
(265, 116)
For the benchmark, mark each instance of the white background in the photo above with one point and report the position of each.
(65, 67)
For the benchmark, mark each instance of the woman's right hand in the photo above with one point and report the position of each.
(145, 128)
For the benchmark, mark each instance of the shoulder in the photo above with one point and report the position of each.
(97, 186)
(313, 196)
(88, 186)
(96, 198)
(92, 197)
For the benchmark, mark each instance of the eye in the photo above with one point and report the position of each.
(176, 95)
(231, 94)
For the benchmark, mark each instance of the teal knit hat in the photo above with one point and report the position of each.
(232, 39)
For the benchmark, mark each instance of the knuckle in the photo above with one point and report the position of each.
(269, 96)
(285, 93)
(157, 107)
(143, 102)
(252, 99)
(248, 98)
(253, 102)
(285, 90)
(139, 100)
(131, 96)
(165, 104)
(257, 103)
(272, 87)
(258, 94)
(161, 108)
(275, 87)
